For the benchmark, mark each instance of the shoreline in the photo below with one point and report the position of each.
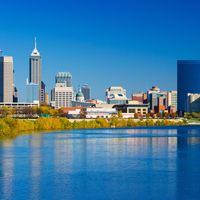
(11, 128)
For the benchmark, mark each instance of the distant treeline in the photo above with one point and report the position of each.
(10, 127)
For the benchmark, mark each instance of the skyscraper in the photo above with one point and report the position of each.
(64, 77)
(63, 93)
(188, 81)
(43, 92)
(35, 64)
(6, 79)
(86, 91)
(172, 101)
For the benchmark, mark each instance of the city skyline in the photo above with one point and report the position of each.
(96, 41)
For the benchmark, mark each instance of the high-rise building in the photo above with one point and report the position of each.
(43, 92)
(157, 101)
(35, 65)
(64, 77)
(152, 98)
(162, 103)
(188, 81)
(15, 95)
(6, 79)
(86, 91)
(32, 95)
(62, 95)
(172, 101)
(116, 95)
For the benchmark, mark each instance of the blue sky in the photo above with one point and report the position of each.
(132, 43)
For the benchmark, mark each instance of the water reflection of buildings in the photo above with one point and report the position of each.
(188, 162)
(6, 169)
(35, 145)
(69, 160)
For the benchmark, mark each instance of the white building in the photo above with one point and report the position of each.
(116, 95)
(93, 113)
(62, 95)
(6, 79)
(172, 100)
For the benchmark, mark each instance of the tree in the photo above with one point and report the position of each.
(119, 114)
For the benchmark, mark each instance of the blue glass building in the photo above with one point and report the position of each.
(188, 81)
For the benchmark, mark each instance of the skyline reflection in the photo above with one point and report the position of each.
(58, 164)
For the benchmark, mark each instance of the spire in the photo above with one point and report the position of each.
(35, 51)
(35, 43)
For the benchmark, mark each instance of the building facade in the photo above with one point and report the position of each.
(80, 96)
(86, 92)
(131, 110)
(172, 101)
(32, 95)
(64, 77)
(62, 95)
(188, 81)
(43, 93)
(193, 103)
(139, 97)
(93, 113)
(116, 95)
(6, 79)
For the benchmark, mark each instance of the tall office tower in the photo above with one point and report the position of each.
(86, 91)
(43, 93)
(32, 95)
(35, 65)
(152, 98)
(188, 81)
(172, 101)
(15, 94)
(6, 79)
(62, 95)
(64, 77)
(116, 95)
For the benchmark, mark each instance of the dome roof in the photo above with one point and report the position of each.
(79, 94)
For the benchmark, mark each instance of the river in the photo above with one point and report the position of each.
(100, 164)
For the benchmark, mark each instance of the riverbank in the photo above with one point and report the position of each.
(10, 127)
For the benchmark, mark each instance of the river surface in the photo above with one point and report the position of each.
(141, 163)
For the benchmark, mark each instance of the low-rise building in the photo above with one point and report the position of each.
(93, 113)
(116, 95)
(131, 110)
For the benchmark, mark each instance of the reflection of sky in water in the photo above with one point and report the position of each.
(140, 163)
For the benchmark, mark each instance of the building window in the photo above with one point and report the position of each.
(131, 110)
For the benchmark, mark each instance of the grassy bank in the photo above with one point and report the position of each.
(10, 127)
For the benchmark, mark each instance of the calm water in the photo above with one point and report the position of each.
(142, 163)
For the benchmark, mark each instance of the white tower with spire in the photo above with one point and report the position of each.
(35, 65)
